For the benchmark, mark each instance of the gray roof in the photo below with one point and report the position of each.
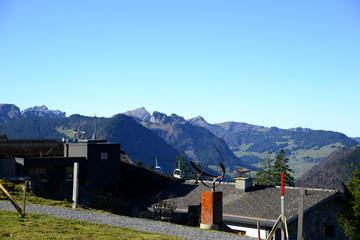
(259, 202)
(30, 147)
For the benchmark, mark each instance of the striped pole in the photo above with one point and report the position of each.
(282, 206)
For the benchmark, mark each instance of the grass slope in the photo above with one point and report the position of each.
(37, 226)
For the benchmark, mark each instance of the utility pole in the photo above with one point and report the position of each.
(301, 214)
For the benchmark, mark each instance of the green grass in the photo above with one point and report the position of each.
(16, 192)
(36, 226)
(67, 132)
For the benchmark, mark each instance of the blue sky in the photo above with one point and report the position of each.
(271, 63)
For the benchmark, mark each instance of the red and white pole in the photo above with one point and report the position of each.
(282, 206)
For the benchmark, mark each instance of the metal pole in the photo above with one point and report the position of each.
(75, 185)
(282, 207)
(301, 214)
(24, 199)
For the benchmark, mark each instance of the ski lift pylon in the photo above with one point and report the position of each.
(157, 168)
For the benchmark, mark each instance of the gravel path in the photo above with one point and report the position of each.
(121, 221)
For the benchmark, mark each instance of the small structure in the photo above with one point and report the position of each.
(53, 161)
(211, 201)
(245, 207)
(243, 181)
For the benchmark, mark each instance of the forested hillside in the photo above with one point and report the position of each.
(251, 143)
(332, 171)
(198, 143)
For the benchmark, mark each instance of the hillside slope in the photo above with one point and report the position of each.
(139, 142)
(305, 147)
(333, 170)
(197, 142)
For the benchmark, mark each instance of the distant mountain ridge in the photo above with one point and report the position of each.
(10, 112)
(251, 143)
(243, 145)
(197, 142)
(42, 111)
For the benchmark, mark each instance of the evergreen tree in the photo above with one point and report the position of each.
(281, 165)
(3, 136)
(150, 166)
(139, 163)
(193, 173)
(349, 218)
(265, 177)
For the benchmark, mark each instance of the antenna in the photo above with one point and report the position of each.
(94, 136)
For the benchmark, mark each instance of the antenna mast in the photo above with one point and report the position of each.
(94, 135)
(95, 128)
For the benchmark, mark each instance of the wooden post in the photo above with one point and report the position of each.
(301, 214)
(13, 202)
(273, 230)
(258, 229)
(24, 199)
(75, 185)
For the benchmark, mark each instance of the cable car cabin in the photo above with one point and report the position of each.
(177, 173)
(158, 169)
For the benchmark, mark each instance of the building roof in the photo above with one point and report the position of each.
(30, 147)
(258, 203)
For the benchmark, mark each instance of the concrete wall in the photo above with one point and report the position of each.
(75, 150)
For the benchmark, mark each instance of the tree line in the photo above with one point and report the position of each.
(270, 175)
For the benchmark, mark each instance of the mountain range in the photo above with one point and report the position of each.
(146, 136)
(249, 143)
(9, 112)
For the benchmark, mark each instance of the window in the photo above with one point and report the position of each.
(104, 155)
(38, 172)
(328, 231)
(69, 171)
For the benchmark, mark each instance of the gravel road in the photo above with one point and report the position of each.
(121, 221)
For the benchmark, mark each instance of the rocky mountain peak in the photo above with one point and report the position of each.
(198, 121)
(9, 112)
(42, 111)
(140, 113)
(159, 118)
(177, 119)
(163, 119)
